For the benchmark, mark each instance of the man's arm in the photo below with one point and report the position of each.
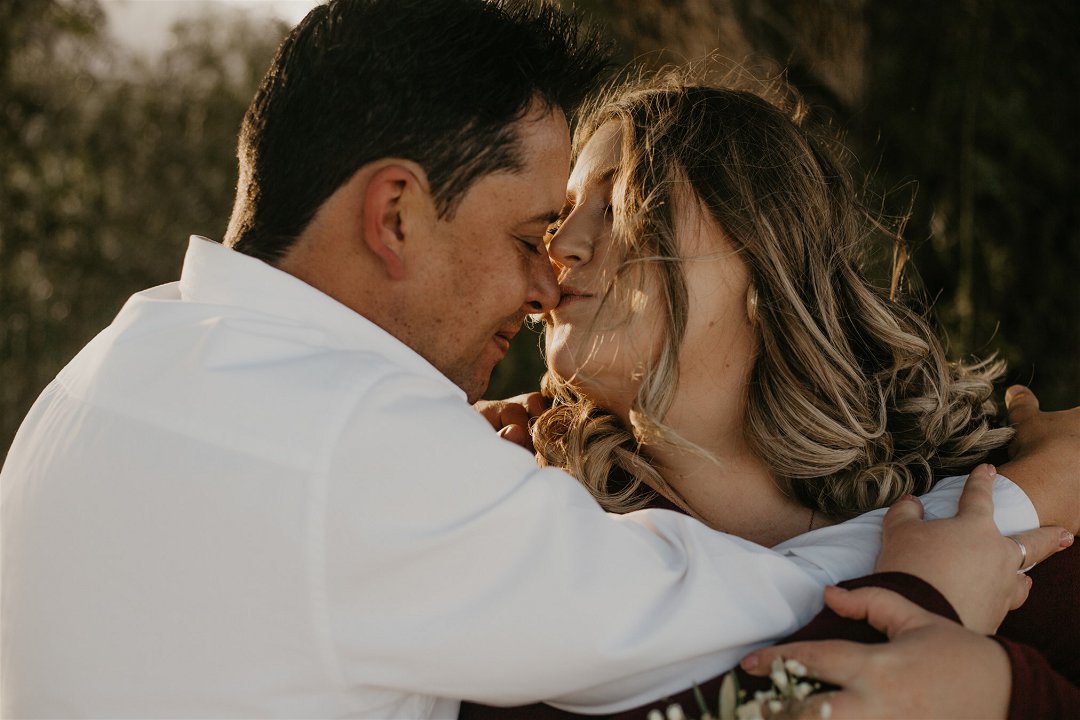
(1045, 458)
(454, 567)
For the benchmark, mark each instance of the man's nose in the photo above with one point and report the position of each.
(544, 293)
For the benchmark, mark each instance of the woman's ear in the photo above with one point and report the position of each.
(390, 204)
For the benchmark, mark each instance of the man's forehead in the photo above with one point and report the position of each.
(545, 142)
(543, 133)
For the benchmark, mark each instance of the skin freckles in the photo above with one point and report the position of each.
(490, 258)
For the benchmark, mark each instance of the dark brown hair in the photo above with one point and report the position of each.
(439, 82)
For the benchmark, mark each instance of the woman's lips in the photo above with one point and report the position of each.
(571, 295)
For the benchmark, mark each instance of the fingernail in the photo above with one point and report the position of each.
(1013, 391)
(1066, 539)
(991, 469)
(750, 662)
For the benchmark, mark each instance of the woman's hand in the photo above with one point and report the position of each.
(1045, 458)
(930, 668)
(965, 557)
(513, 417)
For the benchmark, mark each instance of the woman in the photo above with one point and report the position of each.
(717, 349)
(717, 342)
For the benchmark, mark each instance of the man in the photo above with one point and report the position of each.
(261, 491)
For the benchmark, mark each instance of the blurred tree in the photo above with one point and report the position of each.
(110, 162)
(43, 48)
(977, 102)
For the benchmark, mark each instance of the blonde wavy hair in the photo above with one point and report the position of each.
(851, 400)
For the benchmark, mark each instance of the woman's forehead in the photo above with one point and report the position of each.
(601, 154)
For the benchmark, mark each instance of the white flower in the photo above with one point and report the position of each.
(795, 667)
(788, 696)
(779, 675)
(749, 711)
(675, 712)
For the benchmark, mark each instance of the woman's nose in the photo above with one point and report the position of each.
(573, 243)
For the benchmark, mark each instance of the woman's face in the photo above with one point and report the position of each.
(605, 348)
(602, 348)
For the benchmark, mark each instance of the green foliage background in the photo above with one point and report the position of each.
(109, 162)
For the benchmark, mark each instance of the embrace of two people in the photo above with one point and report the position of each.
(262, 491)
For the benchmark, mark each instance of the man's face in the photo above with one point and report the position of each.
(490, 265)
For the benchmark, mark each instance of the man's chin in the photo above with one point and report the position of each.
(475, 394)
(474, 378)
(476, 385)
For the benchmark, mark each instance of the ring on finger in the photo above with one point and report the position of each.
(1023, 567)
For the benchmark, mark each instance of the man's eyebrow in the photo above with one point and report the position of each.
(547, 217)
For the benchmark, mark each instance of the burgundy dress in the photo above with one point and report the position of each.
(1042, 639)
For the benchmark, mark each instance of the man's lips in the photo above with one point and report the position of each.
(503, 337)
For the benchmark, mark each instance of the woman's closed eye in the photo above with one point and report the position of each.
(553, 228)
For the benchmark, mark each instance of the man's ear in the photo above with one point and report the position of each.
(390, 201)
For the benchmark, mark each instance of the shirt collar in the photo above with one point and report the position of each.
(217, 275)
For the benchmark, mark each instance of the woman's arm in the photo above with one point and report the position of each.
(1045, 458)
(931, 667)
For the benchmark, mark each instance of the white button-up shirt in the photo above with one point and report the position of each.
(244, 499)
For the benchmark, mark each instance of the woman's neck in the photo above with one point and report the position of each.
(728, 487)
(733, 492)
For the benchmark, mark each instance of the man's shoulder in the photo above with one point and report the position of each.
(256, 383)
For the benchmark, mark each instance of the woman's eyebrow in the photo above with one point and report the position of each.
(596, 177)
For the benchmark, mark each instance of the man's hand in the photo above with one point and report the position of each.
(930, 668)
(1045, 458)
(513, 417)
(965, 557)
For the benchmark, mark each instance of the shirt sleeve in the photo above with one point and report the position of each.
(826, 625)
(1037, 690)
(835, 553)
(444, 562)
